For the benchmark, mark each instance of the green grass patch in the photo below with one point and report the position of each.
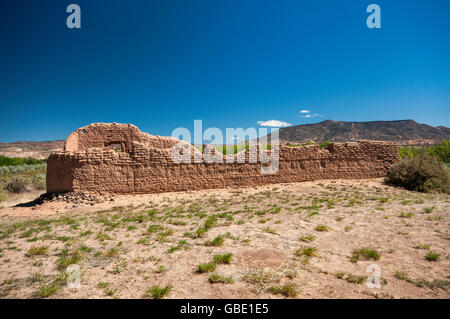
(287, 290)
(223, 259)
(37, 251)
(207, 267)
(157, 292)
(365, 254)
(217, 278)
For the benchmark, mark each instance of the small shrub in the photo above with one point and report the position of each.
(158, 292)
(432, 256)
(306, 251)
(428, 210)
(102, 237)
(65, 260)
(209, 267)
(102, 285)
(402, 275)
(210, 222)
(216, 278)
(322, 228)
(340, 275)
(37, 251)
(16, 185)
(291, 273)
(354, 279)
(113, 252)
(36, 277)
(260, 276)
(85, 249)
(307, 238)
(365, 253)
(422, 173)
(218, 241)
(110, 291)
(287, 290)
(223, 259)
(200, 232)
(48, 290)
(86, 233)
(407, 215)
(53, 287)
(154, 228)
(163, 235)
(161, 269)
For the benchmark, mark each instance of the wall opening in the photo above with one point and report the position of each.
(117, 147)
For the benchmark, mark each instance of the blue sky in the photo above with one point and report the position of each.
(231, 63)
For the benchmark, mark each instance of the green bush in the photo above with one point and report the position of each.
(406, 152)
(440, 151)
(423, 173)
(16, 161)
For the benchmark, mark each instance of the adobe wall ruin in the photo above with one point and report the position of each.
(144, 164)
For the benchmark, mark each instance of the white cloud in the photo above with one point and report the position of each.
(312, 115)
(305, 111)
(273, 123)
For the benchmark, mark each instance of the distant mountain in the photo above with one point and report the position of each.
(401, 132)
(38, 150)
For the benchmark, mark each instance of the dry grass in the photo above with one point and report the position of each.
(305, 240)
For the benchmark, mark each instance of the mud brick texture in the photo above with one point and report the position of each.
(117, 158)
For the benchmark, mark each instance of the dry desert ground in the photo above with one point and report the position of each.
(300, 240)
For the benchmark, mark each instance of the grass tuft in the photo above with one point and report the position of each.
(223, 259)
(37, 251)
(432, 256)
(206, 267)
(365, 254)
(306, 251)
(287, 290)
(322, 228)
(217, 278)
(157, 292)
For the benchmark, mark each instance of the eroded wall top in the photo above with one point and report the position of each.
(114, 135)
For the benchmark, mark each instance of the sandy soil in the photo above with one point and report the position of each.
(126, 246)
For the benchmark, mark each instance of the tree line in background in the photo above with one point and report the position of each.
(16, 161)
(439, 151)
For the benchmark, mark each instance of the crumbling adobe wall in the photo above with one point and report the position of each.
(102, 135)
(146, 166)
